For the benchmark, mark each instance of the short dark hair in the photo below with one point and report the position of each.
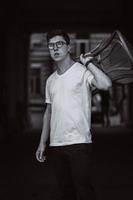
(59, 32)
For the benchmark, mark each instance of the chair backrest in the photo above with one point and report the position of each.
(115, 57)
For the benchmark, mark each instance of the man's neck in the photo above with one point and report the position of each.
(64, 65)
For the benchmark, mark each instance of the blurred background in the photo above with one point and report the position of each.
(24, 68)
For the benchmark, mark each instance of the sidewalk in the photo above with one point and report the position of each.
(22, 177)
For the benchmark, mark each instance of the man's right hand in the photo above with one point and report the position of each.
(40, 153)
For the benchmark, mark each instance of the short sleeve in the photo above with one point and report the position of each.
(89, 77)
(47, 92)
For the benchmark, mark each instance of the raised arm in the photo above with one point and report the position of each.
(101, 80)
(44, 135)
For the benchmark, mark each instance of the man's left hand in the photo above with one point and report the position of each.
(86, 58)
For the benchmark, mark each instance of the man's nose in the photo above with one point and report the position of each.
(55, 47)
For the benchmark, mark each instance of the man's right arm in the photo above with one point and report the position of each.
(44, 135)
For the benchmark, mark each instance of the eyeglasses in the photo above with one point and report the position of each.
(58, 44)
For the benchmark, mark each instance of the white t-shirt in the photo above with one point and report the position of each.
(70, 97)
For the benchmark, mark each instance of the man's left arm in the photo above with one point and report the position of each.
(100, 80)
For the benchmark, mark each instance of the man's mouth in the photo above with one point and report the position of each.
(56, 54)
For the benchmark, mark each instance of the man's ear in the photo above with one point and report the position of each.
(69, 48)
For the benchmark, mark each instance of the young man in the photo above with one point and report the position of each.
(68, 118)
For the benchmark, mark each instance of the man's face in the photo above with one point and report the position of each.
(58, 48)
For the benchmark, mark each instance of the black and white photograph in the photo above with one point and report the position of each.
(66, 103)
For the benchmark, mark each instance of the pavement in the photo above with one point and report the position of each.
(23, 178)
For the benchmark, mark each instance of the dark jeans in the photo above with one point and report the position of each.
(73, 168)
